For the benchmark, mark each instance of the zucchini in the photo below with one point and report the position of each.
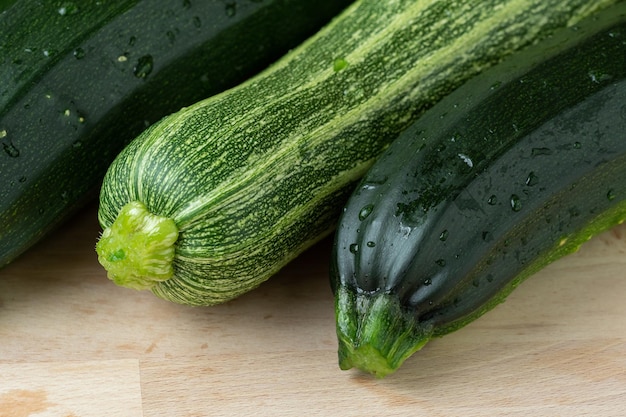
(211, 201)
(516, 168)
(79, 80)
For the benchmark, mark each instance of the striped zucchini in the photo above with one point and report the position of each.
(214, 199)
(512, 171)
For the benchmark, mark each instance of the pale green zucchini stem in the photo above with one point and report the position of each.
(137, 250)
(375, 333)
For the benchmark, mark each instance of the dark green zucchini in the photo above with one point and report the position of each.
(513, 170)
(79, 80)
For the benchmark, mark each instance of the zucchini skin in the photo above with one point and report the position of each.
(512, 171)
(78, 81)
(255, 175)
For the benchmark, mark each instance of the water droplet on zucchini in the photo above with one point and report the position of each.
(231, 9)
(339, 64)
(365, 212)
(610, 195)
(531, 179)
(516, 203)
(371, 244)
(10, 149)
(443, 236)
(354, 248)
(79, 53)
(67, 9)
(467, 160)
(493, 200)
(144, 66)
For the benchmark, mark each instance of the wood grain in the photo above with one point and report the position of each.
(71, 389)
(72, 344)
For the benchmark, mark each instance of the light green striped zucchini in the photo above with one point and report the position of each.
(211, 201)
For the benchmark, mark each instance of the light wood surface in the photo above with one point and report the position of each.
(72, 344)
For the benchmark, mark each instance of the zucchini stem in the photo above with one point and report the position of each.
(138, 250)
(376, 334)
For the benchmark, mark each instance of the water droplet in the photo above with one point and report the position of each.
(610, 195)
(440, 262)
(77, 144)
(467, 160)
(371, 244)
(406, 231)
(10, 149)
(144, 66)
(339, 64)
(516, 203)
(495, 85)
(3, 133)
(67, 9)
(532, 179)
(365, 212)
(132, 40)
(540, 151)
(598, 77)
(578, 145)
(231, 9)
(373, 183)
(443, 236)
(487, 236)
(493, 200)
(428, 281)
(79, 53)
(354, 248)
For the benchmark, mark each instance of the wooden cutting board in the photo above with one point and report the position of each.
(72, 344)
